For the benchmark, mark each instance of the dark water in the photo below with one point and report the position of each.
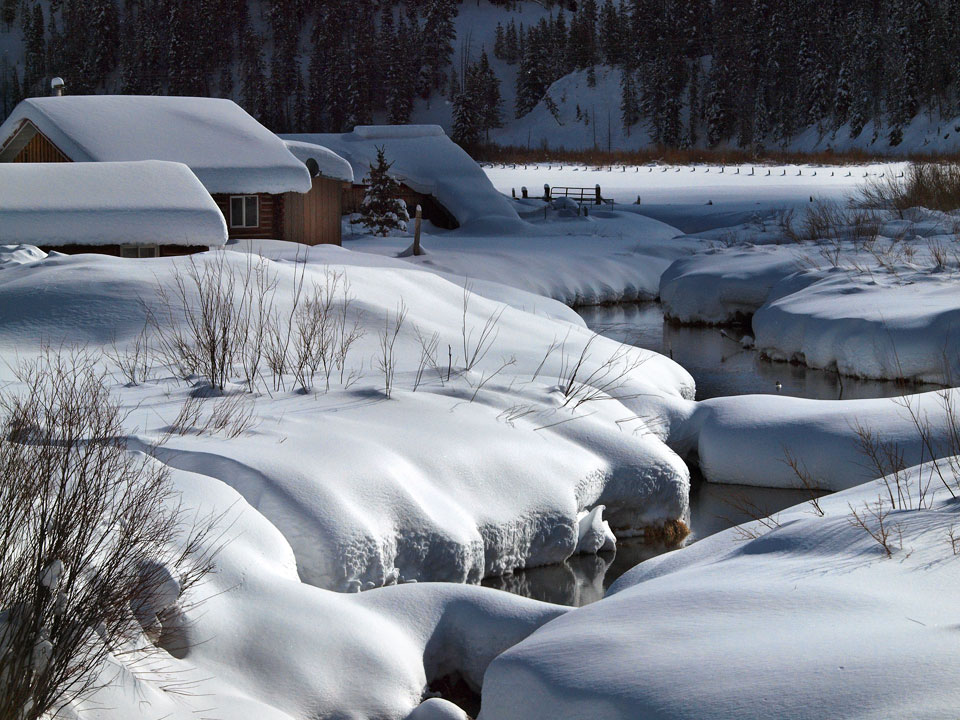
(720, 366)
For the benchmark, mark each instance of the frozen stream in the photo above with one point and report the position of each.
(720, 367)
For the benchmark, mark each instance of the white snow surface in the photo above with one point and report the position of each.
(107, 203)
(613, 255)
(329, 163)
(264, 644)
(226, 148)
(808, 620)
(429, 162)
(452, 481)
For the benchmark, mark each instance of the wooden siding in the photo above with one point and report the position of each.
(165, 250)
(40, 150)
(271, 212)
(313, 218)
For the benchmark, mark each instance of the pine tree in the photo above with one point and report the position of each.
(382, 209)
(629, 102)
(8, 13)
(437, 42)
(488, 91)
(35, 51)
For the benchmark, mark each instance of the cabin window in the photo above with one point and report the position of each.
(244, 211)
(139, 251)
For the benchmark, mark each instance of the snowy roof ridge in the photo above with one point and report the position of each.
(424, 158)
(108, 203)
(329, 163)
(225, 147)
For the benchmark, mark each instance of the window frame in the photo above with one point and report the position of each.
(136, 252)
(243, 221)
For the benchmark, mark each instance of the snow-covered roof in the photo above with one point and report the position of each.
(426, 160)
(329, 164)
(228, 150)
(135, 203)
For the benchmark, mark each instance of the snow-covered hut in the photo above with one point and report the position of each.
(433, 171)
(248, 170)
(130, 209)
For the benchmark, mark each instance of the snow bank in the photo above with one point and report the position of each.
(610, 256)
(260, 641)
(428, 161)
(725, 285)
(869, 326)
(883, 306)
(810, 619)
(329, 164)
(135, 203)
(452, 481)
(745, 439)
(226, 148)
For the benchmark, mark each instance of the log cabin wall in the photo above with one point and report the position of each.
(313, 218)
(270, 217)
(163, 250)
(40, 150)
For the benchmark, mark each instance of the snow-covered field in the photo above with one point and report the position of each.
(496, 432)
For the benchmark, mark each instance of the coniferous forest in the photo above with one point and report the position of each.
(748, 72)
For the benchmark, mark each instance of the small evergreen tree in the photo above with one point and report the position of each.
(382, 210)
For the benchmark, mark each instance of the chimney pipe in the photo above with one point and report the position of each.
(56, 86)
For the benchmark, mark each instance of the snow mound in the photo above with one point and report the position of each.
(14, 255)
(725, 285)
(425, 159)
(149, 202)
(227, 149)
(809, 619)
(451, 480)
(745, 439)
(260, 641)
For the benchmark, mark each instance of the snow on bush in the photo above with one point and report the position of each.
(383, 210)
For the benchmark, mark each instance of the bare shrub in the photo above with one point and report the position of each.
(134, 361)
(214, 317)
(94, 548)
(954, 537)
(872, 519)
(938, 253)
(386, 361)
(579, 386)
(428, 356)
(742, 503)
(231, 415)
(475, 349)
(806, 479)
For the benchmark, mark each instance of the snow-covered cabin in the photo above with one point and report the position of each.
(262, 189)
(130, 209)
(434, 172)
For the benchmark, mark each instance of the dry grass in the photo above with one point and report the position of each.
(932, 185)
(671, 533)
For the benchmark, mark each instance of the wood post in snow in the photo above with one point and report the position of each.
(416, 232)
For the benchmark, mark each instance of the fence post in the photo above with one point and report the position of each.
(513, 192)
(523, 192)
(416, 232)
(546, 192)
(599, 200)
